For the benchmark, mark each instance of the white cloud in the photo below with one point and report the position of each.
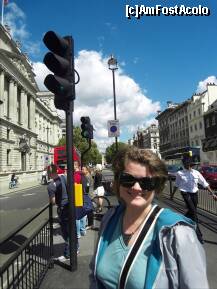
(41, 71)
(15, 18)
(203, 83)
(94, 93)
(94, 97)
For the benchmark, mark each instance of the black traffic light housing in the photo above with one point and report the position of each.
(86, 127)
(61, 62)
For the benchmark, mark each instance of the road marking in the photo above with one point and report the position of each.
(3, 198)
(31, 194)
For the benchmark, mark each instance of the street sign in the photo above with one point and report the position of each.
(113, 128)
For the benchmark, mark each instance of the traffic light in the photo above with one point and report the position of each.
(61, 62)
(86, 127)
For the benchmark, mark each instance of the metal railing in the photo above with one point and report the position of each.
(205, 201)
(27, 266)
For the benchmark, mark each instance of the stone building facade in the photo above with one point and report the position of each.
(197, 108)
(29, 125)
(209, 143)
(147, 138)
(184, 126)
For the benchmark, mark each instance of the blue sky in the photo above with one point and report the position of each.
(160, 57)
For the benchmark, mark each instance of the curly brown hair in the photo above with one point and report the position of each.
(144, 157)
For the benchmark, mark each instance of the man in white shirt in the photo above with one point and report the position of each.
(187, 181)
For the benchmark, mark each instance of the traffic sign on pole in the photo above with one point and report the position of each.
(113, 128)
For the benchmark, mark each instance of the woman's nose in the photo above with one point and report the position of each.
(137, 187)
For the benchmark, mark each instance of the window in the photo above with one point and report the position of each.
(190, 116)
(6, 97)
(201, 125)
(213, 120)
(198, 111)
(194, 113)
(195, 126)
(207, 122)
(23, 161)
(28, 109)
(191, 128)
(18, 105)
(8, 133)
(8, 157)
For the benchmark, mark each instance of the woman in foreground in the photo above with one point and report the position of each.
(142, 246)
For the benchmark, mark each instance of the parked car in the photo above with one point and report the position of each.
(172, 171)
(210, 174)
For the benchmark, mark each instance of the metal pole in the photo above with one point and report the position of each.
(115, 113)
(70, 173)
(2, 20)
(83, 153)
(51, 257)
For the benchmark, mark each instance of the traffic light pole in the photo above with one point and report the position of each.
(70, 173)
(70, 188)
(82, 154)
(60, 61)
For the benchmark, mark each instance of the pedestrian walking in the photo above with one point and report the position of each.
(187, 181)
(141, 245)
(98, 187)
(44, 177)
(80, 223)
(58, 196)
(89, 191)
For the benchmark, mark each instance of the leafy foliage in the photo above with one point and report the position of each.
(93, 155)
(111, 151)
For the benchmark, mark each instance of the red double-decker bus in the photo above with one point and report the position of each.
(60, 158)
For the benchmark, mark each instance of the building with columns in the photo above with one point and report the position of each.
(29, 124)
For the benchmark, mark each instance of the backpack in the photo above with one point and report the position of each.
(60, 191)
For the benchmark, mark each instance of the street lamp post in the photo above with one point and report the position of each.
(113, 65)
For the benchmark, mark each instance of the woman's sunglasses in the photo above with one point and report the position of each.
(146, 183)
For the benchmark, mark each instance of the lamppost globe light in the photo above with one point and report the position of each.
(112, 63)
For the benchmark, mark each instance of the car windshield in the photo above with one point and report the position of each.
(211, 169)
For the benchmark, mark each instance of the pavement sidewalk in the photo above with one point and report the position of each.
(21, 187)
(61, 278)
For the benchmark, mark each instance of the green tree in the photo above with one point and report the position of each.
(111, 151)
(93, 155)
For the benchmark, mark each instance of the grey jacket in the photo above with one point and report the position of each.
(183, 264)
